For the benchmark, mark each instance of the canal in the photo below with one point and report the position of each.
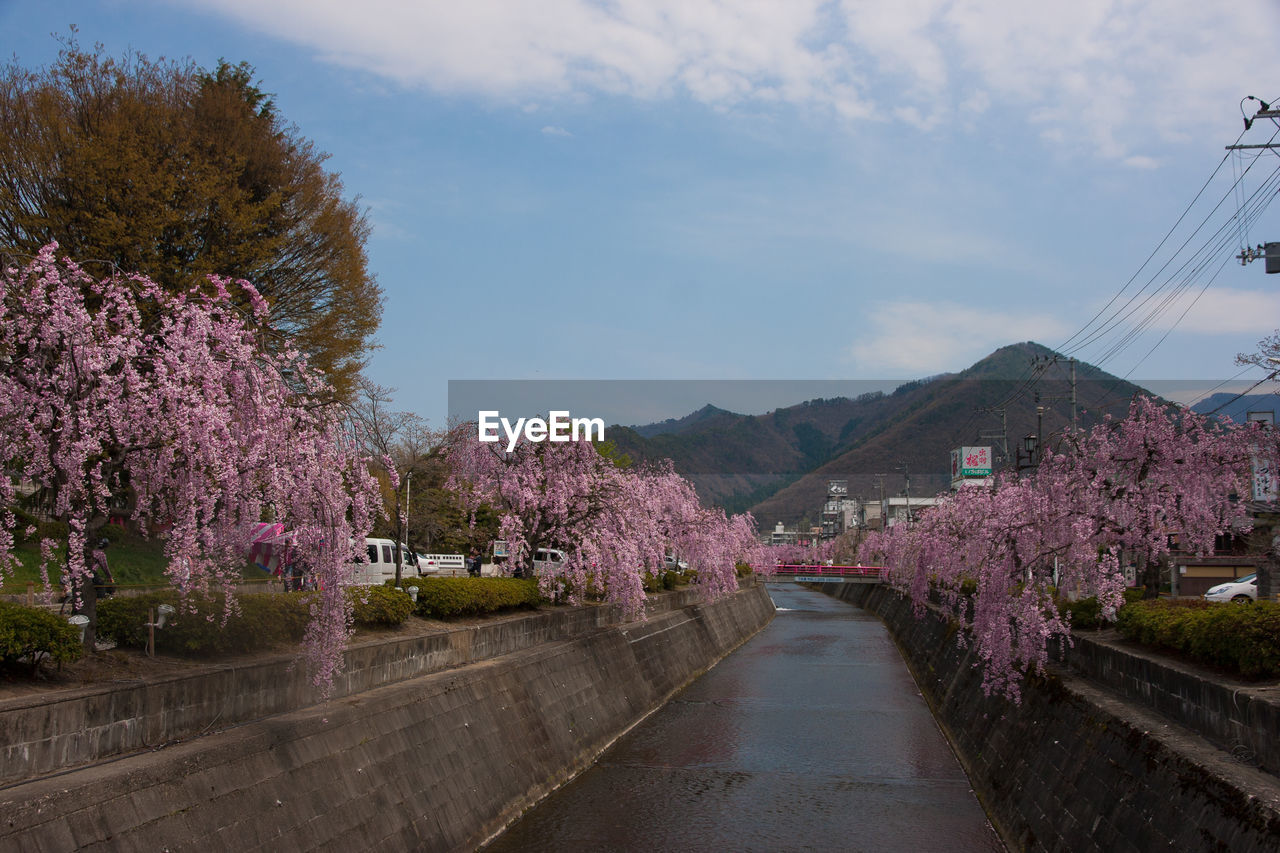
(811, 736)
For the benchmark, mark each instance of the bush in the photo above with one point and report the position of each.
(379, 606)
(263, 621)
(22, 521)
(1086, 613)
(1244, 639)
(55, 530)
(30, 635)
(441, 598)
(113, 533)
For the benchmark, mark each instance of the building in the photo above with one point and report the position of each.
(782, 536)
(898, 509)
(833, 509)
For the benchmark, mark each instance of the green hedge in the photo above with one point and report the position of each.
(1241, 638)
(379, 606)
(29, 635)
(440, 598)
(264, 620)
(1086, 613)
(662, 581)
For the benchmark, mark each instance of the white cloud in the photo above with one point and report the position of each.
(551, 130)
(1111, 76)
(923, 338)
(1224, 310)
(1141, 162)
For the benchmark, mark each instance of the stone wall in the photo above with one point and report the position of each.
(1074, 767)
(1240, 717)
(44, 733)
(440, 761)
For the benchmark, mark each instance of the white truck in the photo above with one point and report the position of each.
(443, 565)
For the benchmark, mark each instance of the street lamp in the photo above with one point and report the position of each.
(1030, 445)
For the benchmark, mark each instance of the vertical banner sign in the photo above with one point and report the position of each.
(1266, 489)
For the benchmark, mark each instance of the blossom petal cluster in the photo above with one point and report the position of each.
(1128, 490)
(118, 398)
(615, 524)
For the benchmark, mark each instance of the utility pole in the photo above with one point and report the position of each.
(1269, 251)
(1073, 394)
(1039, 430)
(883, 508)
(1001, 438)
(905, 468)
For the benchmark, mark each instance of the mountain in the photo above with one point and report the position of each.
(777, 464)
(707, 416)
(1237, 407)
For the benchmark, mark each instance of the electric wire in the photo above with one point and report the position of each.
(1167, 295)
(1260, 203)
(1155, 251)
(1125, 311)
(1187, 274)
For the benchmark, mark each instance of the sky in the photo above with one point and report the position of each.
(767, 189)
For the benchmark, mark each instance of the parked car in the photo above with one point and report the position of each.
(1241, 589)
(671, 563)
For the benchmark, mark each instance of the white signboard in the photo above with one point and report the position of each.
(970, 462)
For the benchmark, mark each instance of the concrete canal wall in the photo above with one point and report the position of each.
(440, 760)
(1078, 767)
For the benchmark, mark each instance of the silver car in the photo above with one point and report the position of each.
(1240, 589)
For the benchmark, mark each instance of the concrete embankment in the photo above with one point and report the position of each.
(439, 761)
(1076, 766)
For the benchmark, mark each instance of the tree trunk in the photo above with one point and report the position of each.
(88, 606)
(1149, 572)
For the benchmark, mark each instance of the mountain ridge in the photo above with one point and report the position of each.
(776, 464)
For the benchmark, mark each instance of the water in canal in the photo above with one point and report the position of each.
(812, 736)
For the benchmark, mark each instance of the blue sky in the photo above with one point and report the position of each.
(646, 189)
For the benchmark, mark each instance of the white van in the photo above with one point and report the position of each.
(381, 565)
(546, 560)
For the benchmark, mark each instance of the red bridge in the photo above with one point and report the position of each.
(828, 574)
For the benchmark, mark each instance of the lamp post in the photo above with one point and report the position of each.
(1030, 446)
(407, 478)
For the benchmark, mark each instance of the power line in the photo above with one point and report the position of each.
(1125, 311)
(1151, 307)
(1160, 245)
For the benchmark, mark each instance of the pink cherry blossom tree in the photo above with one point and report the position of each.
(1131, 487)
(815, 554)
(615, 523)
(117, 394)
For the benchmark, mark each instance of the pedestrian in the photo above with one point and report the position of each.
(473, 564)
(102, 578)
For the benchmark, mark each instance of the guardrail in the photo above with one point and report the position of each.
(835, 571)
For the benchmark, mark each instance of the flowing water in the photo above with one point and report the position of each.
(812, 736)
